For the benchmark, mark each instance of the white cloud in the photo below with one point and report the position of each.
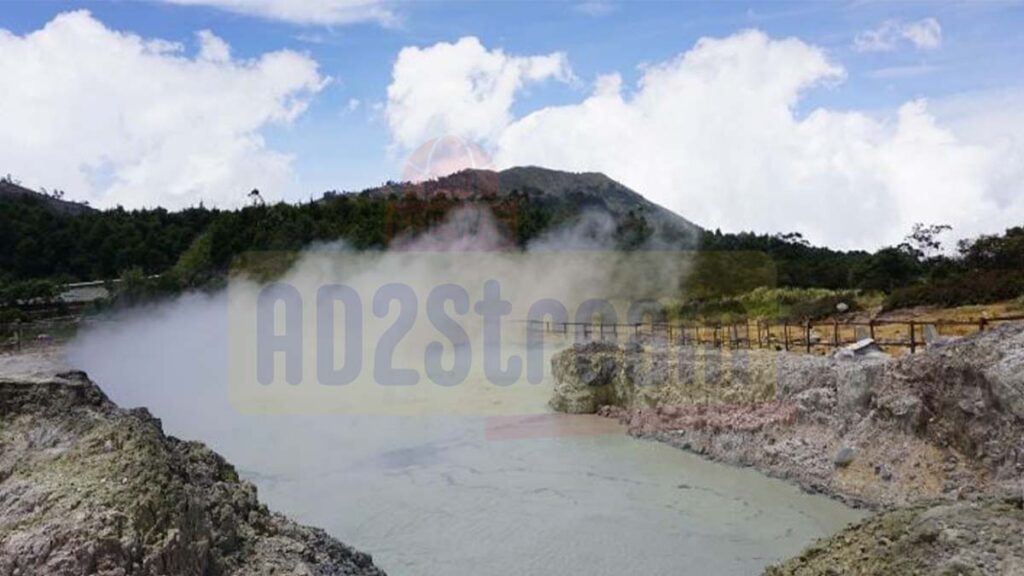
(309, 12)
(892, 72)
(881, 39)
(924, 34)
(594, 7)
(117, 119)
(312, 38)
(212, 47)
(714, 135)
(461, 89)
(993, 119)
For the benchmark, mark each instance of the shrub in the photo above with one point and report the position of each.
(825, 307)
(772, 304)
(977, 287)
(28, 292)
(776, 302)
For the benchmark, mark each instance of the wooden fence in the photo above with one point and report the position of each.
(808, 337)
(16, 336)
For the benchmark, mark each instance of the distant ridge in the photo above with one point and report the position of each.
(552, 189)
(12, 191)
(583, 190)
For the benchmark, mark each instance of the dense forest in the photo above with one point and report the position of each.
(41, 248)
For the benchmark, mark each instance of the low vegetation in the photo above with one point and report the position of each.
(764, 303)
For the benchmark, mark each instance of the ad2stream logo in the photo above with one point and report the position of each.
(459, 333)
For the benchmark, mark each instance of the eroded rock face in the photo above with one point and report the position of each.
(946, 422)
(589, 379)
(89, 488)
(968, 395)
(588, 376)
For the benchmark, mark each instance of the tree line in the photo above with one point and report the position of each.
(195, 246)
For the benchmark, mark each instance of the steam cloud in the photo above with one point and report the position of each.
(213, 338)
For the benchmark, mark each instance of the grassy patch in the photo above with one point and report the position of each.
(774, 304)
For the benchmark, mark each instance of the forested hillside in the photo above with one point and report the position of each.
(197, 245)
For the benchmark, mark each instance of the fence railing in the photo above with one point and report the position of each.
(808, 337)
(16, 336)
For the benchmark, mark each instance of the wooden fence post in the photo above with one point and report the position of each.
(721, 335)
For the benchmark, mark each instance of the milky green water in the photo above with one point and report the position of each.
(442, 495)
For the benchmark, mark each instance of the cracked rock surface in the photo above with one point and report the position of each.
(89, 488)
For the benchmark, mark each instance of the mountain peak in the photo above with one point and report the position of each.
(554, 190)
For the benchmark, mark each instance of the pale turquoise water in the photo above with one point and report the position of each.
(436, 495)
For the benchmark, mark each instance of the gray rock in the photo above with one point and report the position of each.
(925, 538)
(844, 457)
(844, 354)
(864, 347)
(89, 488)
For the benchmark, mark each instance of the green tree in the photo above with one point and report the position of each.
(887, 269)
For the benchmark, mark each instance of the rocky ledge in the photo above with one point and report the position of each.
(90, 488)
(877, 431)
(966, 538)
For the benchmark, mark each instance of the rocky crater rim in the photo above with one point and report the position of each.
(87, 487)
(871, 430)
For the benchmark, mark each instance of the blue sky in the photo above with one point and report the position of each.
(335, 143)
